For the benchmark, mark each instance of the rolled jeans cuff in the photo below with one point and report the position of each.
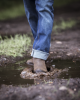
(39, 54)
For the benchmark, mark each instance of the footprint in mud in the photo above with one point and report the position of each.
(27, 73)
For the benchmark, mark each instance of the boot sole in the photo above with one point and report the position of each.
(39, 71)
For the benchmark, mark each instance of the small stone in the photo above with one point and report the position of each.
(67, 74)
(59, 56)
(23, 72)
(78, 49)
(4, 59)
(74, 89)
(51, 52)
(50, 82)
(53, 66)
(63, 88)
(68, 54)
(58, 42)
(74, 61)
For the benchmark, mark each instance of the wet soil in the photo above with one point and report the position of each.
(64, 83)
(64, 57)
(58, 89)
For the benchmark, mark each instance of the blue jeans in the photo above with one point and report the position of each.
(40, 17)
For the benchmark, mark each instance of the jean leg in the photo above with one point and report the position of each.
(32, 15)
(41, 44)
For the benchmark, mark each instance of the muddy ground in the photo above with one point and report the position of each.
(58, 89)
(64, 46)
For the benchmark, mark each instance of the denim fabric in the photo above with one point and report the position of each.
(40, 17)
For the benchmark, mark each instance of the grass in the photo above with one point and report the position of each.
(60, 3)
(17, 9)
(12, 12)
(64, 25)
(14, 46)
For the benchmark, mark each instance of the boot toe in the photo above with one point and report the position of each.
(30, 63)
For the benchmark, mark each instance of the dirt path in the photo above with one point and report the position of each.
(66, 46)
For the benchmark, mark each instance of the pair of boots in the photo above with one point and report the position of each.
(39, 65)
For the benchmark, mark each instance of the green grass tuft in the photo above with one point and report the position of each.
(60, 3)
(14, 46)
(12, 12)
(64, 25)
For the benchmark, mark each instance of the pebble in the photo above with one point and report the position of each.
(68, 54)
(74, 89)
(58, 42)
(63, 88)
(53, 66)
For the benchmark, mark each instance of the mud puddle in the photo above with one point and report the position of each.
(10, 73)
(73, 68)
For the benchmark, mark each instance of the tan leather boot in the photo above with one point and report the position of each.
(39, 65)
(30, 61)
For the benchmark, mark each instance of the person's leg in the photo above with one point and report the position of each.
(41, 44)
(32, 15)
